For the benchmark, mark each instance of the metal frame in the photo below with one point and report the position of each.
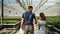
(2, 14)
(40, 5)
(21, 4)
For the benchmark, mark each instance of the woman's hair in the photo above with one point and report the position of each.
(42, 16)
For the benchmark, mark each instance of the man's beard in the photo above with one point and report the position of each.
(30, 10)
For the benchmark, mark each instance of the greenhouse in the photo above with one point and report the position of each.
(11, 13)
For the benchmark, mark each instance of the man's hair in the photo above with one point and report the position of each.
(30, 7)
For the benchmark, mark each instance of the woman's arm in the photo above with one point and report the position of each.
(38, 24)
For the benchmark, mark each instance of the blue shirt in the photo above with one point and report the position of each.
(27, 16)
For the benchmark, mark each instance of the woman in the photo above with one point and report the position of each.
(42, 24)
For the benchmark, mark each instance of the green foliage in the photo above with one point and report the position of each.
(52, 20)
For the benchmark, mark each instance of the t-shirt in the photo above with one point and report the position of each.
(42, 24)
(27, 15)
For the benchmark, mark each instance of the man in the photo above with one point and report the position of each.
(28, 19)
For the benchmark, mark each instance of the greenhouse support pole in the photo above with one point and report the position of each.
(2, 14)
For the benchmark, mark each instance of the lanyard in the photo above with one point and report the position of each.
(29, 16)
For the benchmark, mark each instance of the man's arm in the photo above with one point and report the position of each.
(34, 19)
(22, 21)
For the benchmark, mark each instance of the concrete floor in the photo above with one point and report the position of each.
(35, 30)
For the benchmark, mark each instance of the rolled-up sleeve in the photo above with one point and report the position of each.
(23, 15)
(33, 15)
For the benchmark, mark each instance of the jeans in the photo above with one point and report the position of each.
(42, 32)
(29, 29)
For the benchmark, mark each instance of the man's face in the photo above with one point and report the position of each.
(30, 9)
